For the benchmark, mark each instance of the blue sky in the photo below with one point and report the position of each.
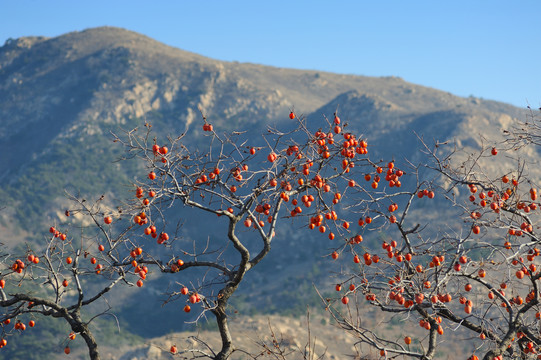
(489, 49)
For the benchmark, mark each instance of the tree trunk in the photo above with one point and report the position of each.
(78, 326)
(227, 342)
(91, 344)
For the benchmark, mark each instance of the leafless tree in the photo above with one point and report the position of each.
(473, 273)
(254, 183)
(60, 279)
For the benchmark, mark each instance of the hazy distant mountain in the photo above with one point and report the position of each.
(60, 97)
(72, 85)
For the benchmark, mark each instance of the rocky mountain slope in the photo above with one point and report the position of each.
(71, 86)
(59, 98)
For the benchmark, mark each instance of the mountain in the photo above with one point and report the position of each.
(70, 86)
(55, 92)
(61, 97)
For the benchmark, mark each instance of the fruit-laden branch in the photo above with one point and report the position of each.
(60, 265)
(51, 308)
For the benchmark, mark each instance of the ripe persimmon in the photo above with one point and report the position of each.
(271, 157)
(482, 273)
(164, 237)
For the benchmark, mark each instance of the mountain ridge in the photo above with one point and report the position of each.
(128, 45)
(62, 96)
(82, 85)
(110, 75)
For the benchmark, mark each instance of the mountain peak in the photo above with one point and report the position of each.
(24, 42)
(73, 85)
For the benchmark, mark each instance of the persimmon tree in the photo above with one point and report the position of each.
(62, 278)
(473, 275)
(249, 187)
